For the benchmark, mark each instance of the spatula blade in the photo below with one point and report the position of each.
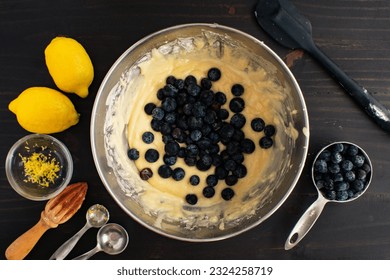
(283, 22)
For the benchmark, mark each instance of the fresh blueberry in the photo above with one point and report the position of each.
(351, 193)
(366, 167)
(338, 177)
(195, 122)
(223, 114)
(179, 84)
(358, 185)
(192, 150)
(147, 137)
(149, 108)
(321, 166)
(170, 90)
(217, 159)
(237, 90)
(361, 174)
(341, 186)
(205, 83)
(194, 180)
(199, 110)
(214, 74)
(201, 165)
(247, 146)
(206, 129)
(210, 117)
(328, 183)
(171, 80)
(341, 195)
(331, 195)
(221, 172)
(207, 97)
(266, 142)
(233, 147)
(212, 180)
(358, 160)
(336, 157)
(169, 160)
(214, 137)
(208, 192)
(352, 150)
(231, 180)
(238, 135)
(182, 152)
(236, 105)
(187, 109)
(338, 148)
(238, 120)
(227, 194)
(178, 174)
(189, 80)
(165, 171)
(160, 94)
(196, 135)
(347, 165)
(181, 98)
(334, 168)
(240, 171)
(220, 98)
(206, 160)
(151, 155)
(170, 118)
(325, 155)
(169, 104)
(269, 130)
(166, 128)
(172, 148)
(158, 113)
(258, 124)
(167, 138)
(156, 124)
(146, 174)
(193, 90)
(226, 131)
(133, 154)
(350, 176)
(203, 143)
(238, 158)
(191, 199)
(230, 165)
(190, 161)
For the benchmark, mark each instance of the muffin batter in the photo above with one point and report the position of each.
(264, 97)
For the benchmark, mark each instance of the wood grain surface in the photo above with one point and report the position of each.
(354, 33)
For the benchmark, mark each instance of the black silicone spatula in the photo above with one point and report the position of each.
(283, 22)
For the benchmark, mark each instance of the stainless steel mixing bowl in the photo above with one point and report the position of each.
(291, 162)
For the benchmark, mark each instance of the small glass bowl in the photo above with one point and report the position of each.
(50, 150)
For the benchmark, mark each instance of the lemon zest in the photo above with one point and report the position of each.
(40, 169)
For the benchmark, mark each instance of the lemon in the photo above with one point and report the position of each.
(69, 65)
(44, 110)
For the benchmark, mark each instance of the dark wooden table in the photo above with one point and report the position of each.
(356, 34)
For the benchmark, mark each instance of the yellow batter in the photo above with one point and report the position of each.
(263, 98)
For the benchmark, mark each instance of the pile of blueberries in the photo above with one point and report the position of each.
(193, 123)
(341, 171)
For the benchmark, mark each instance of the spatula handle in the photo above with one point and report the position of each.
(22, 246)
(377, 111)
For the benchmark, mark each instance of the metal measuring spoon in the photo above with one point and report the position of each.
(111, 239)
(97, 216)
(311, 215)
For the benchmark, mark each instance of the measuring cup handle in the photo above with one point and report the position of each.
(305, 223)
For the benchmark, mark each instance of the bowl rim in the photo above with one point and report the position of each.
(14, 184)
(95, 112)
